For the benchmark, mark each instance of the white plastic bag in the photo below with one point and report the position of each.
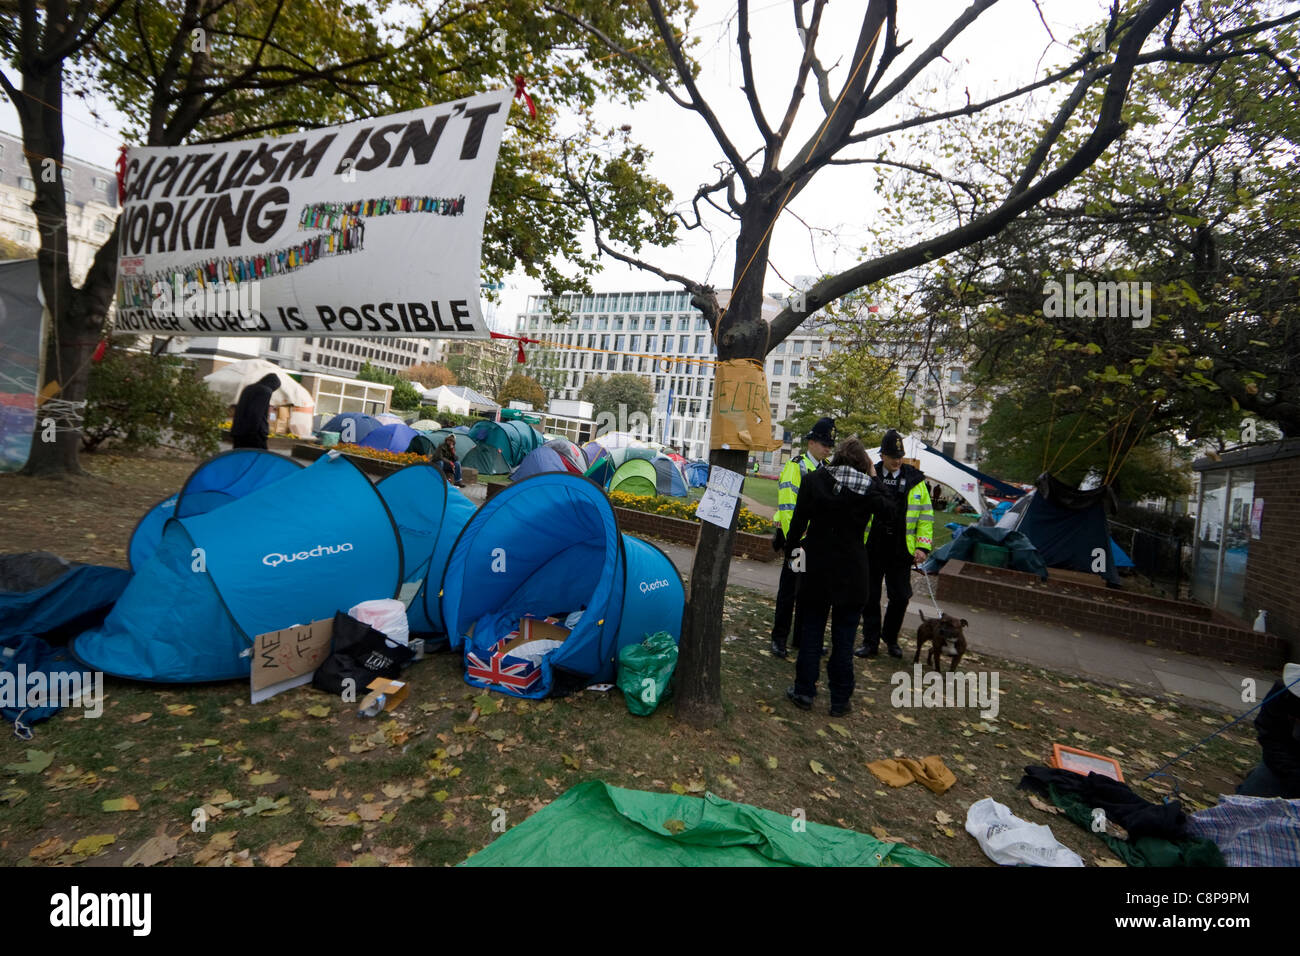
(388, 616)
(1007, 839)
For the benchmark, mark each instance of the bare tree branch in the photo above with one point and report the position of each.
(747, 71)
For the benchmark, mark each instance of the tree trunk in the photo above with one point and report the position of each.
(741, 333)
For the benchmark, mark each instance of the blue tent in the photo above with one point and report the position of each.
(513, 439)
(671, 481)
(362, 425)
(541, 460)
(550, 546)
(317, 541)
(46, 596)
(429, 514)
(395, 438)
(1067, 526)
(216, 482)
(697, 473)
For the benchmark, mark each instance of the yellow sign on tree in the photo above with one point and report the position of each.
(741, 418)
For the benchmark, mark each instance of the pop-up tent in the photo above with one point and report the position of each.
(397, 438)
(513, 440)
(636, 476)
(550, 546)
(216, 482)
(297, 550)
(1067, 526)
(464, 444)
(600, 468)
(429, 514)
(361, 426)
(541, 460)
(45, 596)
(697, 473)
(669, 478)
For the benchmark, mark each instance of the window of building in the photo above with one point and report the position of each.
(649, 323)
(634, 323)
(618, 343)
(652, 301)
(600, 303)
(954, 376)
(626, 302)
(775, 389)
(586, 323)
(24, 235)
(602, 322)
(651, 343)
(796, 368)
(604, 341)
(586, 303)
(950, 448)
(778, 367)
(683, 300)
(618, 323)
(639, 302)
(780, 347)
(684, 324)
(699, 343)
(635, 343)
(683, 343)
(797, 347)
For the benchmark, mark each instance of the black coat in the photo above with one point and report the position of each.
(1279, 738)
(248, 428)
(829, 522)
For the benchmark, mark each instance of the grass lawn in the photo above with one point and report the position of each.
(303, 779)
(762, 490)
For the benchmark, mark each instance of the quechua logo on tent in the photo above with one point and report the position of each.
(275, 558)
(648, 586)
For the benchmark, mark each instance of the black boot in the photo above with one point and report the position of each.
(778, 650)
(865, 651)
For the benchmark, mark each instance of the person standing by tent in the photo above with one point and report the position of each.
(827, 549)
(820, 441)
(894, 546)
(450, 464)
(248, 426)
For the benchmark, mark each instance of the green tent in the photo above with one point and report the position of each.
(636, 476)
(464, 444)
(595, 824)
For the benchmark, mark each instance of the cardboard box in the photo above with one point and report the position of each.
(289, 657)
(396, 691)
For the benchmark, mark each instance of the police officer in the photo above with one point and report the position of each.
(819, 443)
(893, 547)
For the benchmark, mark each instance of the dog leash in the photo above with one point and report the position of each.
(930, 590)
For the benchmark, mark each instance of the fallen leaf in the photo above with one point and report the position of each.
(36, 762)
(121, 803)
(571, 761)
(266, 807)
(139, 718)
(323, 795)
(942, 818)
(181, 710)
(280, 854)
(678, 789)
(816, 767)
(771, 763)
(1108, 860)
(153, 851)
(319, 710)
(1040, 804)
(220, 844)
(12, 796)
(734, 760)
(262, 779)
(371, 812)
(904, 719)
(335, 762)
(441, 795)
(880, 833)
(93, 845)
(839, 729)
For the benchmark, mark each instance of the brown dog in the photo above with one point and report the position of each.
(945, 636)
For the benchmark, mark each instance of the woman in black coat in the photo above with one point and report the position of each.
(826, 543)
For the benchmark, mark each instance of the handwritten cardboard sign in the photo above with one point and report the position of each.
(287, 658)
(741, 415)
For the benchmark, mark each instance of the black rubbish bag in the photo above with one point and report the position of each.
(360, 653)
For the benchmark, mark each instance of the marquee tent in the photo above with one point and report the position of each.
(550, 546)
(293, 551)
(229, 382)
(669, 478)
(429, 514)
(216, 482)
(362, 425)
(636, 476)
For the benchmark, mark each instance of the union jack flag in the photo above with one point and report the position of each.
(496, 667)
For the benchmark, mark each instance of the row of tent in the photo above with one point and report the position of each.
(629, 469)
(255, 542)
(491, 448)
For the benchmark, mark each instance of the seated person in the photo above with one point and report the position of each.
(446, 456)
(1278, 726)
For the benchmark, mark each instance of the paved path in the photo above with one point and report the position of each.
(1198, 680)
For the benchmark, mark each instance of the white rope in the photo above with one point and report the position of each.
(21, 730)
(66, 416)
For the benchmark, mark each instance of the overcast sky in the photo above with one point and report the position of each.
(1008, 46)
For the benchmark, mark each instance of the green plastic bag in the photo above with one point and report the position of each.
(644, 671)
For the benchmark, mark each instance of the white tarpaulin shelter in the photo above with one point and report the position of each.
(229, 382)
(940, 469)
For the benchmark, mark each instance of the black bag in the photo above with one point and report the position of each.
(361, 653)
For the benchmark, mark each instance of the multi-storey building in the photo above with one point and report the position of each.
(92, 206)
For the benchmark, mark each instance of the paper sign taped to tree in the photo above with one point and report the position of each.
(370, 228)
(741, 418)
(718, 504)
(287, 658)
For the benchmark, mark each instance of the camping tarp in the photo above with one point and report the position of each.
(45, 596)
(550, 546)
(1067, 526)
(214, 483)
(429, 514)
(636, 476)
(669, 478)
(595, 824)
(697, 473)
(361, 426)
(188, 615)
(962, 548)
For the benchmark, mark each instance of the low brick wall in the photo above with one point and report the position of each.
(1179, 625)
(681, 531)
(371, 466)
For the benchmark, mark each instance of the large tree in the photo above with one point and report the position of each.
(196, 71)
(857, 388)
(619, 395)
(521, 388)
(871, 98)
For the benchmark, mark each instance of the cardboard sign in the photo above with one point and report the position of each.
(741, 417)
(286, 659)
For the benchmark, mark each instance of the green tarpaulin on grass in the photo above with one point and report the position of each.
(595, 824)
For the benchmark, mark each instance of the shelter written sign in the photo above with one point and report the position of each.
(740, 412)
(370, 228)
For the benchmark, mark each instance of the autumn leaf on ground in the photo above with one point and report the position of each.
(734, 760)
(181, 710)
(904, 719)
(677, 788)
(880, 833)
(289, 714)
(139, 718)
(262, 779)
(323, 795)
(942, 818)
(571, 761)
(93, 845)
(771, 763)
(47, 849)
(1039, 804)
(121, 803)
(220, 844)
(840, 729)
(12, 796)
(36, 762)
(335, 762)
(486, 704)
(266, 807)
(279, 854)
(154, 850)
(816, 767)
(372, 812)
(319, 710)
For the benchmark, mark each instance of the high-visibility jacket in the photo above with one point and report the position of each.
(918, 520)
(788, 491)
